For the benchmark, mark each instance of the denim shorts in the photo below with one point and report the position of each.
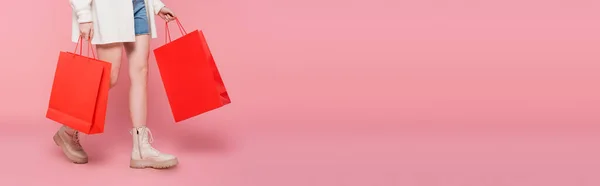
(140, 17)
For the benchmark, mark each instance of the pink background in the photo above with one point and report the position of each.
(353, 93)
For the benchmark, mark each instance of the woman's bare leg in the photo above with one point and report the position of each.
(138, 52)
(143, 154)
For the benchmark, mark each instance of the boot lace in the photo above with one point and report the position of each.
(147, 138)
(75, 138)
(150, 139)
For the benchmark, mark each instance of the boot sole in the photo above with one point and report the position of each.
(142, 164)
(60, 143)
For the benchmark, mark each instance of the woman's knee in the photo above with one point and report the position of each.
(138, 73)
(141, 69)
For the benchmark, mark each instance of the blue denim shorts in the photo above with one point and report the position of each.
(140, 17)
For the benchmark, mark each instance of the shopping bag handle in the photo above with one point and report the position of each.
(80, 46)
(168, 33)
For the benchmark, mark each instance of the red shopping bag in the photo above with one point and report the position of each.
(190, 76)
(80, 92)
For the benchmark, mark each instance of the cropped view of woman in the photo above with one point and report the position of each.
(113, 25)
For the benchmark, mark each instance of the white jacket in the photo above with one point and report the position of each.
(112, 19)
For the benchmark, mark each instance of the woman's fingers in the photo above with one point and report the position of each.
(91, 35)
(167, 14)
(167, 17)
(86, 30)
(84, 36)
(173, 16)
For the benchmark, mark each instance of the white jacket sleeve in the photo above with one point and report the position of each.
(83, 9)
(157, 6)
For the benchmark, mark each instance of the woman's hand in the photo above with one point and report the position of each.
(166, 14)
(86, 30)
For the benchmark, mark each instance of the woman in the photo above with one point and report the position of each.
(112, 25)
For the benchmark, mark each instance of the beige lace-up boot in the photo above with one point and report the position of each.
(144, 155)
(68, 139)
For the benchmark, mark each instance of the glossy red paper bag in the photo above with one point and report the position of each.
(190, 76)
(80, 92)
